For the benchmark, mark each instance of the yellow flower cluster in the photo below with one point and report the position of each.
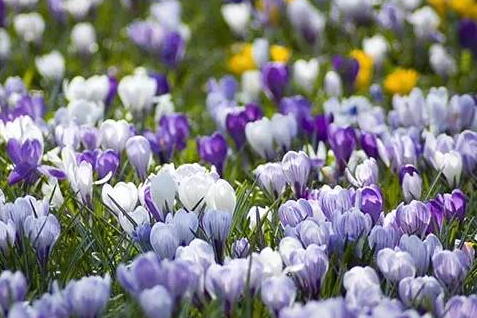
(365, 73)
(465, 8)
(242, 58)
(401, 81)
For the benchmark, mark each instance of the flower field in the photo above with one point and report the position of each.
(238, 158)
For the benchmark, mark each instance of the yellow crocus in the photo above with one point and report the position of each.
(465, 8)
(280, 53)
(401, 81)
(242, 59)
(365, 73)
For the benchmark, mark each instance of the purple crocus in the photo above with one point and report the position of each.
(371, 201)
(26, 158)
(216, 225)
(113, 90)
(454, 205)
(461, 306)
(275, 77)
(2, 13)
(300, 107)
(291, 213)
(347, 68)
(177, 127)
(88, 296)
(322, 123)
(296, 168)
(413, 218)
(343, 142)
(162, 85)
(466, 145)
(278, 292)
(172, 49)
(156, 302)
(436, 209)
(213, 149)
(240, 248)
(235, 122)
(107, 162)
(143, 273)
(450, 268)
(43, 232)
(311, 231)
(468, 35)
(369, 144)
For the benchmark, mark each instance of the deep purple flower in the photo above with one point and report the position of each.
(300, 107)
(176, 126)
(107, 162)
(2, 13)
(162, 85)
(113, 90)
(213, 149)
(369, 144)
(235, 122)
(275, 77)
(371, 201)
(88, 156)
(33, 106)
(342, 142)
(322, 123)
(347, 68)
(89, 137)
(468, 35)
(436, 209)
(26, 159)
(172, 49)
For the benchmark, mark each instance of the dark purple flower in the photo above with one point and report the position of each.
(2, 13)
(89, 137)
(213, 149)
(347, 68)
(369, 144)
(172, 49)
(322, 123)
(235, 122)
(436, 208)
(161, 83)
(342, 142)
(468, 35)
(33, 106)
(88, 156)
(113, 90)
(176, 126)
(26, 159)
(371, 201)
(300, 107)
(275, 77)
(107, 162)
(314, 265)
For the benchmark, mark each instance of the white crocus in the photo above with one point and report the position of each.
(29, 26)
(5, 44)
(114, 134)
(262, 214)
(221, 196)
(51, 66)
(305, 73)
(122, 198)
(441, 61)
(425, 22)
(259, 135)
(84, 181)
(95, 88)
(83, 38)
(137, 92)
(51, 190)
(251, 86)
(139, 216)
(237, 16)
(284, 129)
(376, 47)
(260, 51)
(164, 106)
(163, 189)
(85, 112)
(450, 164)
(333, 84)
(192, 190)
(21, 128)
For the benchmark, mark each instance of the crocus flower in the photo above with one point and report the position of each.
(422, 292)
(370, 201)
(114, 134)
(369, 144)
(322, 123)
(275, 77)
(352, 225)
(172, 49)
(461, 306)
(225, 283)
(395, 265)
(420, 251)
(413, 218)
(163, 190)
(122, 198)
(139, 154)
(136, 92)
(300, 107)
(468, 35)
(156, 302)
(271, 178)
(240, 248)
(305, 73)
(311, 232)
(43, 232)
(362, 174)
(411, 182)
(26, 158)
(450, 268)
(83, 38)
(260, 137)
(296, 168)
(216, 224)
(342, 142)
(107, 163)
(221, 196)
(454, 205)
(2, 13)
(164, 240)
(293, 212)
(278, 292)
(334, 201)
(213, 149)
(14, 289)
(284, 129)
(192, 190)
(88, 296)
(143, 273)
(347, 68)
(308, 21)
(382, 237)
(176, 126)
(134, 220)
(185, 224)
